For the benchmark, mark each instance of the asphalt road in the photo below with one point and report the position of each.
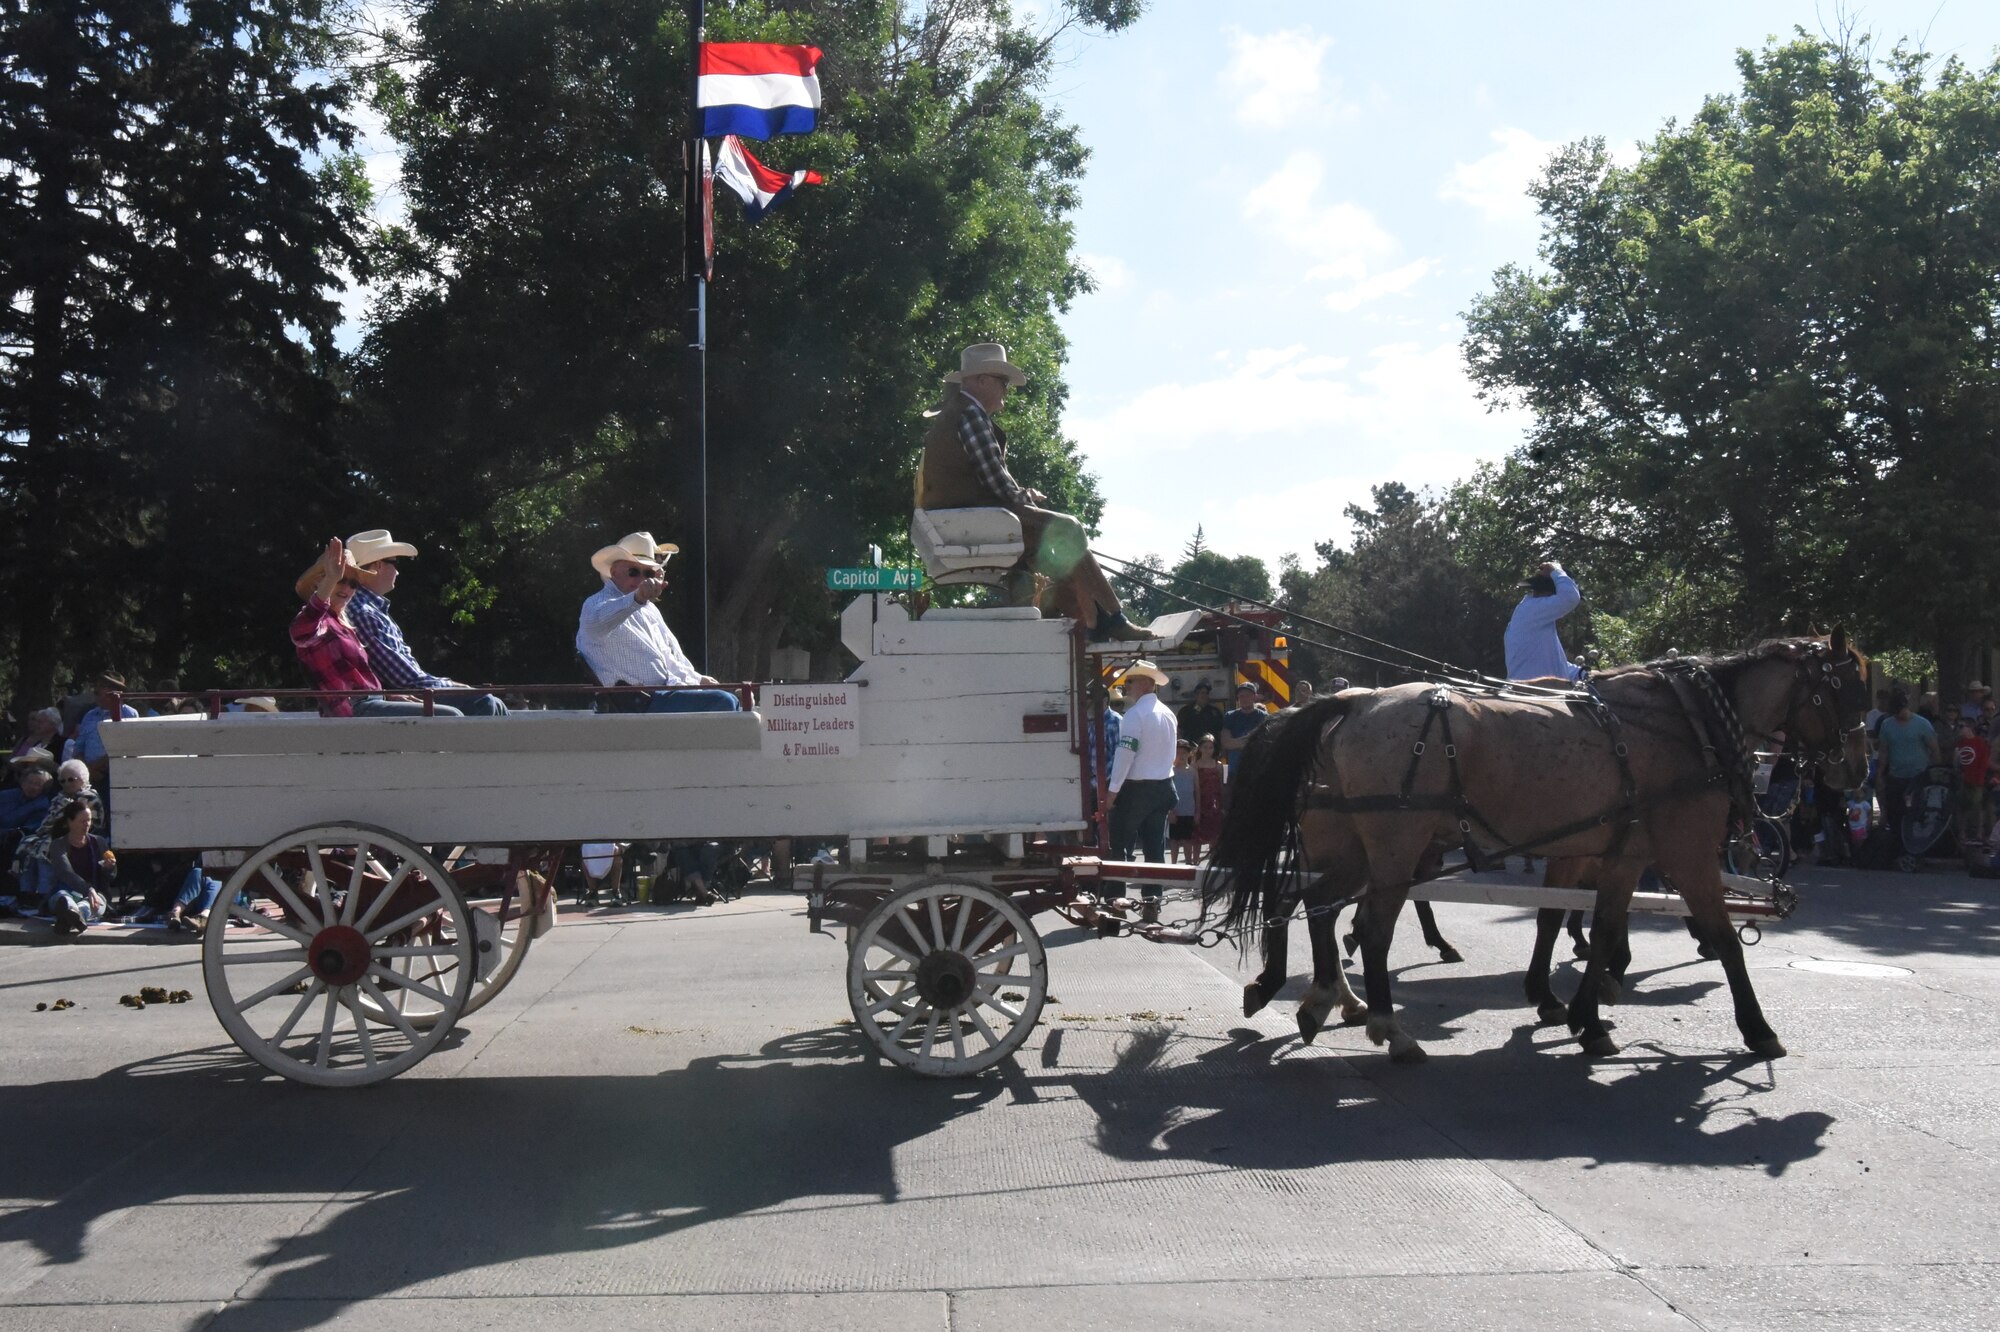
(667, 1121)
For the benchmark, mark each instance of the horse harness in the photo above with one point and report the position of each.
(1718, 734)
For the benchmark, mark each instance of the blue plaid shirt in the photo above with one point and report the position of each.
(387, 652)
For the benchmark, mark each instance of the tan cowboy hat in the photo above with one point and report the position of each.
(364, 548)
(1977, 688)
(1147, 669)
(638, 547)
(987, 358)
(259, 703)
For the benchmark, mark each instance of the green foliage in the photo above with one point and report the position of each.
(179, 209)
(531, 349)
(1761, 359)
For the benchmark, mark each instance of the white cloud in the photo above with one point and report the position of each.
(1311, 432)
(1496, 184)
(1275, 77)
(1111, 273)
(1379, 285)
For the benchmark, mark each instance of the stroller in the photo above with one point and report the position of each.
(1928, 815)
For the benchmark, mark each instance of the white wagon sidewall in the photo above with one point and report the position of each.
(216, 969)
(1026, 971)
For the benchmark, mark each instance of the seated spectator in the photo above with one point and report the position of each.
(23, 808)
(331, 651)
(31, 865)
(81, 865)
(697, 863)
(89, 744)
(44, 732)
(194, 900)
(624, 639)
(376, 554)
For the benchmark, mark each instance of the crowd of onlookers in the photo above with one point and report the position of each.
(56, 860)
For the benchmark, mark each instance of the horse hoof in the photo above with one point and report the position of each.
(1581, 949)
(1450, 954)
(1412, 1054)
(1600, 1047)
(1354, 1017)
(1768, 1048)
(1608, 989)
(1309, 1027)
(1253, 999)
(1551, 1013)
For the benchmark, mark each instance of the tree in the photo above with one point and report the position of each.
(1761, 359)
(179, 209)
(530, 348)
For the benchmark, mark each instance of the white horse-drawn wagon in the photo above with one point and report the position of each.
(387, 875)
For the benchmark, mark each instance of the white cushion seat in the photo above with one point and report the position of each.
(967, 545)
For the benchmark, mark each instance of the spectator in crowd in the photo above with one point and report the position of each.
(1969, 707)
(1989, 718)
(1201, 717)
(375, 555)
(1097, 744)
(1905, 744)
(194, 901)
(1180, 828)
(31, 864)
(1877, 713)
(1974, 757)
(1302, 693)
(81, 865)
(89, 742)
(1240, 721)
(1534, 648)
(44, 732)
(1142, 775)
(1836, 847)
(332, 652)
(24, 807)
(697, 863)
(1208, 793)
(624, 639)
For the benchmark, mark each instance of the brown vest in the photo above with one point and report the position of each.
(946, 478)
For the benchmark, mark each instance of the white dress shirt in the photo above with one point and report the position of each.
(1146, 736)
(627, 640)
(1534, 650)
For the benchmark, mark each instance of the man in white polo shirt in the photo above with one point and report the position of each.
(1142, 774)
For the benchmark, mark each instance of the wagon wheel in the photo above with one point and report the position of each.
(933, 981)
(322, 938)
(504, 906)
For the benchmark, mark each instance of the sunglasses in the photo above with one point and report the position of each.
(633, 571)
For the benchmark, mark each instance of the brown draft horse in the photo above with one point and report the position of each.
(1362, 788)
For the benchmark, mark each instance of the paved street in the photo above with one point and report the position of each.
(667, 1121)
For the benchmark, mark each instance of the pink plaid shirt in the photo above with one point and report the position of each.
(332, 654)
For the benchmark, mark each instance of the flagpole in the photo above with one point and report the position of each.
(698, 263)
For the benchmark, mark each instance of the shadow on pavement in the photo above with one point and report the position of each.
(436, 1177)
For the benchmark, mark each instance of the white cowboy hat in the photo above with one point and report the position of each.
(1977, 688)
(364, 548)
(638, 547)
(1145, 668)
(987, 358)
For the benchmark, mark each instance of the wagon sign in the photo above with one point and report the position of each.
(810, 721)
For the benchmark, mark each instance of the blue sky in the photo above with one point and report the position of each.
(1290, 206)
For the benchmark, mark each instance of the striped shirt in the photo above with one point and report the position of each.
(626, 641)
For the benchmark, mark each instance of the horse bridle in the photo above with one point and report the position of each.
(1816, 683)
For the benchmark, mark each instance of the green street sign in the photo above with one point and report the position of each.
(874, 580)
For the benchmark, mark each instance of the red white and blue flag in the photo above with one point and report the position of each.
(760, 187)
(757, 89)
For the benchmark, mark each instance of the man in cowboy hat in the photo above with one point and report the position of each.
(1142, 773)
(965, 466)
(375, 554)
(625, 639)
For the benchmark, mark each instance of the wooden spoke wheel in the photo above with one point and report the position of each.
(946, 977)
(324, 941)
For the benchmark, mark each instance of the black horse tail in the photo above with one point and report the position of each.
(1252, 858)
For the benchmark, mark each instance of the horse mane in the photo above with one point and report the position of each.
(1721, 664)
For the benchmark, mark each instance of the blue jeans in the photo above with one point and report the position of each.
(694, 700)
(198, 893)
(474, 705)
(385, 707)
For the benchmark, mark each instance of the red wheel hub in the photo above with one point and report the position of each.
(339, 955)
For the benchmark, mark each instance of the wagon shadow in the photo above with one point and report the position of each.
(527, 1177)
